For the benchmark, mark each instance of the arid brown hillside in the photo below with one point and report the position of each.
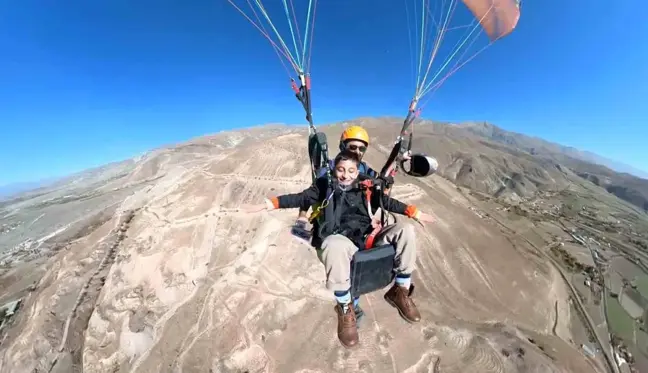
(162, 273)
(623, 185)
(472, 161)
(491, 160)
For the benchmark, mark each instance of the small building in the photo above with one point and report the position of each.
(579, 239)
(10, 308)
(588, 350)
(621, 363)
(7, 311)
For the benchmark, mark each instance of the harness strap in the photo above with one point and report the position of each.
(329, 221)
(317, 211)
(369, 241)
(367, 186)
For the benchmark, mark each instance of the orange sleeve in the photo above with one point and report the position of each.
(411, 211)
(275, 202)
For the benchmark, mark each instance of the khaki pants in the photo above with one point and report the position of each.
(337, 251)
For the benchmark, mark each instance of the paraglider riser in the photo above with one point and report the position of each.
(372, 269)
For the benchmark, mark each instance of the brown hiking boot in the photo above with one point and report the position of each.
(399, 297)
(347, 329)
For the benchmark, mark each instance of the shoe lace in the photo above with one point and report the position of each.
(406, 301)
(349, 318)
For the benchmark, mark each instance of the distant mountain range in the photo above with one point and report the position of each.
(504, 164)
(12, 189)
(478, 155)
(536, 145)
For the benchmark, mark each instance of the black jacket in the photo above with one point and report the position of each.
(347, 212)
(363, 169)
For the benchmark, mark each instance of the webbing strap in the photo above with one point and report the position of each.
(317, 144)
(368, 187)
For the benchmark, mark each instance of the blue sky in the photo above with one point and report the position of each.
(85, 83)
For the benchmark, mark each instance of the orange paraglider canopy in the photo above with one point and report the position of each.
(497, 17)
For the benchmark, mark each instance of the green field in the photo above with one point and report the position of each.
(642, 285)
(631, 272)
(642, 342)
(621, 323)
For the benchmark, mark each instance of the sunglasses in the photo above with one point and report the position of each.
(356, 147)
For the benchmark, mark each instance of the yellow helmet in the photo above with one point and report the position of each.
(354, 133)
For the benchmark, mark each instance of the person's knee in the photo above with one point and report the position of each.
(338, 285)
(406, 248)
(335, 257)
(335, 242)
(335, 246)
(406, 230)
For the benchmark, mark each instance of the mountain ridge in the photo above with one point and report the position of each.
(500, 134)
(149, 265)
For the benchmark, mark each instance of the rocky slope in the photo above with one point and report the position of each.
(589, 166)
(170, 277)
(504, 164)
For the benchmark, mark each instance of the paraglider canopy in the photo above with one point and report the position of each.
(497, 17)
(434, 61)
(431, 23)
(442, 43)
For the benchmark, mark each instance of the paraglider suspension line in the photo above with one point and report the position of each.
(321, 159)
(402, 145)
